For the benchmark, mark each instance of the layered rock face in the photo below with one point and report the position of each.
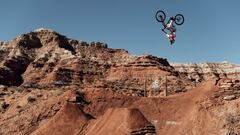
(205, 71)
(229, 89)
(147, 76)
(227, 77)
(45, 58)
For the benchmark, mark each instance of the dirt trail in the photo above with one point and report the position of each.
(181, 114)
(174, 115)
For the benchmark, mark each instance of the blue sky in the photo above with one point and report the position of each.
(210, 33)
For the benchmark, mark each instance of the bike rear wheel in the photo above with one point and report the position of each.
(179, 19)
(160, 16)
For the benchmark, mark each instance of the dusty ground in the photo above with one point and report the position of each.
(195, 112)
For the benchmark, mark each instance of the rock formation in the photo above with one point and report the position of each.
(209, 70)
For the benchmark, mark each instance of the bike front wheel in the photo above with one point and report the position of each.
(160, 16)
(179, 19)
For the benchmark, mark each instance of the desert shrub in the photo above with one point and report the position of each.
(31, 99)
(3, 106)
(19, 89)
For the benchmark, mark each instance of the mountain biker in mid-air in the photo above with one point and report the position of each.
(178, 19)
(170, 26)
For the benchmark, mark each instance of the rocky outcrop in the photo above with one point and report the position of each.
(229, 89)
(12, 69)
(206, 71)
(46, 57)
(146, 76)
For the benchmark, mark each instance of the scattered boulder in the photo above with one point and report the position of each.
(228, 98)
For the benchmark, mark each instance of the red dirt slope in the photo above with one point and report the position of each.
(121, 121)
(70, 120)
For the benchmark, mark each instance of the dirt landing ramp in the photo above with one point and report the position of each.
(121, 121)
(70, 120)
